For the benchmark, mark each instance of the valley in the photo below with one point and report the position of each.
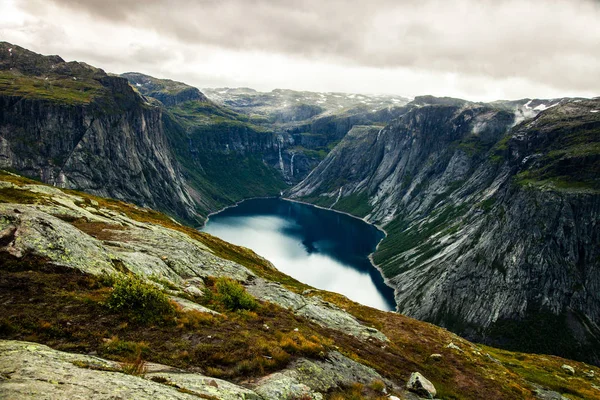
(491, 213)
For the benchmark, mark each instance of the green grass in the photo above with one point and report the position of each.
(355, 204)
(61, 90)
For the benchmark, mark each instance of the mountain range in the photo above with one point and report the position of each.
(491, 210)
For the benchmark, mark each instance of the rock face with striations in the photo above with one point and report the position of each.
(492, 229)
(74, 126)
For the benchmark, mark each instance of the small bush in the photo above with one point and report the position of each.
(233, 295)
(124, 350)
(377, 385)
(142, 301)
(296, 343)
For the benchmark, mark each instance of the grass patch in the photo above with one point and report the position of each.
(234, 296)
(62, 90)
(141, 301)
(355, 204)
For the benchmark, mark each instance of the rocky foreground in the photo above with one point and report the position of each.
(64, 255)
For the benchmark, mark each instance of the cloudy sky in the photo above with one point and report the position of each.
(475, 49)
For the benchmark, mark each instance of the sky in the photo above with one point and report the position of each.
(475, 49)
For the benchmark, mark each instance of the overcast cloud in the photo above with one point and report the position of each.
(477, 49)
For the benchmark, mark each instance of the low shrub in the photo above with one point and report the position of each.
(234, 296)
(142, 301)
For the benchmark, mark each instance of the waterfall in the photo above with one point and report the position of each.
(292, 164)
(379, 133)
(281, 160)
(338, 198)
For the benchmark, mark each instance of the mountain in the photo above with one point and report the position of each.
(74, 126)
(104, 299)
(156, 142)
(491, 213)
(490, 209)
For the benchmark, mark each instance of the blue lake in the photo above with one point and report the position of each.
(322, 248)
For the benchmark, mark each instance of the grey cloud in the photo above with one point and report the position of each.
(554, 42)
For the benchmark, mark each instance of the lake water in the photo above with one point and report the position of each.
(322, 248)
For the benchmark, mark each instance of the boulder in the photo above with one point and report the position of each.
(568, 369)
(418, 384)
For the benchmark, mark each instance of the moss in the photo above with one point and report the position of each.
(56, 89)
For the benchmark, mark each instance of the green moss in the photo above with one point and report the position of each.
(56, 89)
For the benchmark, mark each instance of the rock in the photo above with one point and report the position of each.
(281, 386)
(418, 384)
(194, 291)
(590, 374)
(204, 386)
(187, 305)
(452, 346)
(497, 237)
(36, 371)
(314, 308)
(139, 247)
(568, 369)
(313, 377)
(435, 357)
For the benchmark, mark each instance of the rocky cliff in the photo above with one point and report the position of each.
(108, 300)
(492, 229)
(74, 126)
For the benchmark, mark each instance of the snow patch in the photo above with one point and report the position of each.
(595, 111)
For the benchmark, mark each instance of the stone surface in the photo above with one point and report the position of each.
(568, 369)
(313, 308)
(419, 384)
(35, 371)
(314, 377)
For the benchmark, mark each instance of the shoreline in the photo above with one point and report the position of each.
(237, 203)
(369, 257)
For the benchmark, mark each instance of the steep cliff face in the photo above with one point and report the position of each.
(73, 126)
(492, 235)
(306, 125)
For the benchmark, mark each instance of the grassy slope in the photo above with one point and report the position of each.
(67, 313)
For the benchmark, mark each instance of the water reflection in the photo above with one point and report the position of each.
(322, 248)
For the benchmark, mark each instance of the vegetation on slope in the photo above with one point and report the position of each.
(69, 310)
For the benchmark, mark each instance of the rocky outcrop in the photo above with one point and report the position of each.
(309, 379)
(168, 92)
(313, 308)
(30, 370)
(109, 143)
(492, 235)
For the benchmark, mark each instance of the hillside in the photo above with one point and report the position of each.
(68, 263)
(492, 229)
